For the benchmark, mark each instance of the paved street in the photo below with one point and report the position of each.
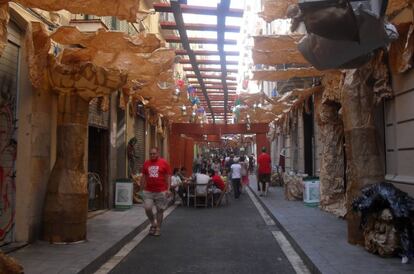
(232, 239)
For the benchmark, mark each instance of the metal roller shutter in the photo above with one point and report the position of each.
(140, 145)
(9, 63)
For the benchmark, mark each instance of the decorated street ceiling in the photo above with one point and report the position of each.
(135, 63)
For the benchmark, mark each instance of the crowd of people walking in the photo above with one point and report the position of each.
(211, 176)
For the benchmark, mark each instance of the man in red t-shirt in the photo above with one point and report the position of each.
(263, 171)
(156, 183)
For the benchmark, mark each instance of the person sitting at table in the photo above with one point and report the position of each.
(201, 179)
(218, 184)
(182, 188)
(175, 184)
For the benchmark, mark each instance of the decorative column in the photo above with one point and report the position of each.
(332, 183)
(364, 164)
(65, 209)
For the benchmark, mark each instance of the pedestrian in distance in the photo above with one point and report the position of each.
(263, 171)
(156, 184)
(235, 171)
(244, 172)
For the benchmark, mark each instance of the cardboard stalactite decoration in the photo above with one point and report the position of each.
(293, 187)
(77, 75)
(279, 42)
(106, 41)
(133, 54)
(123, 9)
(275, 109)
(401, 50)
(276, 57)
(279, 75)
(364, 165)
(148, 67)
(9, 265)
(394, 6)
(332, 181)
(275, 9)
(4, 20)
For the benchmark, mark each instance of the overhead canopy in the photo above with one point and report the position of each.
(107, 41)
(95, 64)
(191, 32)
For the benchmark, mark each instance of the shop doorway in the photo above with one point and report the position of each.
(98, 151)
(308, 139)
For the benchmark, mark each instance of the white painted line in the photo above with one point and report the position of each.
(293, 257)
(268, 220)
(127, 248)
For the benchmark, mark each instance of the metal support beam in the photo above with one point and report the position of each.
(207, 52)
(222, 11)
(208, 62)
(211, 69)
(165, 7)
(178, 16)
(202, 27)
(198, 40)
(210, 76)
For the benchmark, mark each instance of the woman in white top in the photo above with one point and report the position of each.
(235, 170)
(175, 182)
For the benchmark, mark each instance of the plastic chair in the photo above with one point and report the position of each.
(201, 191)
(224, 193)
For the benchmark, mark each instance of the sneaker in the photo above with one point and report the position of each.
(261, 194)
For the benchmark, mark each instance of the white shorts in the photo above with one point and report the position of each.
(159, 199)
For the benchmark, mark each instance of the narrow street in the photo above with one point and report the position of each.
(229, 239)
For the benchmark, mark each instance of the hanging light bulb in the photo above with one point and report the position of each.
(183, 110)
(259, 105)
(176, 95)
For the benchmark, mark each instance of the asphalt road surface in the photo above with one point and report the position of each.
(229, 239)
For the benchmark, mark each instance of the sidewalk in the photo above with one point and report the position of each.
(107, 233)
(320, 238)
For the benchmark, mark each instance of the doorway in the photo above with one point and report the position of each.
(98, 151)
(308, 138)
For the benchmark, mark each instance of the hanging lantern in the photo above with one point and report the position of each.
(191, 90)
(180, 83)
